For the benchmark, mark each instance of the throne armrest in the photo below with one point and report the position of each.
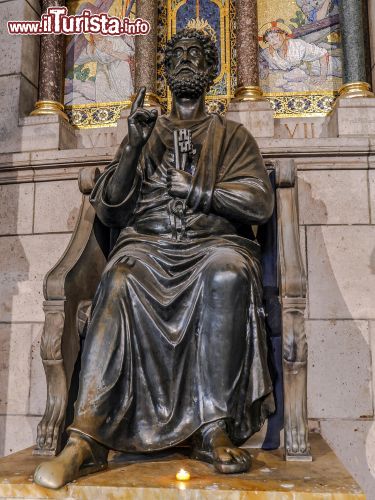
(293, 283)
(57, 280)
(74, 278)
(72, 281)
(292, 287)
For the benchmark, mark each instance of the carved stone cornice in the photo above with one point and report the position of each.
(313, 154)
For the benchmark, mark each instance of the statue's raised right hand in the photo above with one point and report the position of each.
(140, 122)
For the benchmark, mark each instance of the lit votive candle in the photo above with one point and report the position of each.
(182, 475)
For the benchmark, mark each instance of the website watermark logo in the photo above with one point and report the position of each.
(57, 21)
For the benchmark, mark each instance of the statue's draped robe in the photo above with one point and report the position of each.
(176, 337)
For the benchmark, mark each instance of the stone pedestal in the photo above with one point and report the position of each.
(352, 118)
(256, 116)
(102, 137)
(122, 126)
(46, 132)
(153, 476)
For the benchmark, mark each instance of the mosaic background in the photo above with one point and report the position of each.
(300, 66)
(175, 15)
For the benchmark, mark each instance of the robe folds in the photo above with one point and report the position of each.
(176, 337)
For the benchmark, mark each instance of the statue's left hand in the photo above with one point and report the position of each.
(178, 182)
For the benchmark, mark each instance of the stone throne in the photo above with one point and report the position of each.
(70, 285)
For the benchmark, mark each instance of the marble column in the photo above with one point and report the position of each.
(353, 45)
(247, 51)
(371, 16)
(146, 51)
(51, 70)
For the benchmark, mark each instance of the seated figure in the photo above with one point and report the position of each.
(175, 348)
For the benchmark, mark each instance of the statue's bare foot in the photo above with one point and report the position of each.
(212, 444)
(78, 458)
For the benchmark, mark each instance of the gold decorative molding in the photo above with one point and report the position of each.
(85, 116)
(251, 93)
(49, 108)
(106, 114)
(301, 104)
(356, 89)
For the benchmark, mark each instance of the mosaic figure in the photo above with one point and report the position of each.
(296, 65)
(316, 10)
(113, 79)
(321, 25)
(99, 69)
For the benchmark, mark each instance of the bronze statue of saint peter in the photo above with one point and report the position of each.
(175, 348)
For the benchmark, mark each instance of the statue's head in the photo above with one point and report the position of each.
(191, 62)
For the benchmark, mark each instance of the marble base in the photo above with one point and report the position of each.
(101, 137)
(352, 118)
(153, 477)
(256, 116)
(46, 132)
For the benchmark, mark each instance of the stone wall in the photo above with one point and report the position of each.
(19, 56)
(39, 205)
(337, 225)
(35, 220)
(336, 181)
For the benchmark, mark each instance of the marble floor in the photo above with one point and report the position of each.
(152, 477)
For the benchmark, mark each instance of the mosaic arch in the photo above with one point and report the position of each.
(300, 57)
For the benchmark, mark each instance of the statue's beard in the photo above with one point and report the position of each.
(193, 86)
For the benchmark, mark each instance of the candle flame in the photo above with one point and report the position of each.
(182, 475)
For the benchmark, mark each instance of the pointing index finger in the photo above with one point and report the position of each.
(139, 100)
